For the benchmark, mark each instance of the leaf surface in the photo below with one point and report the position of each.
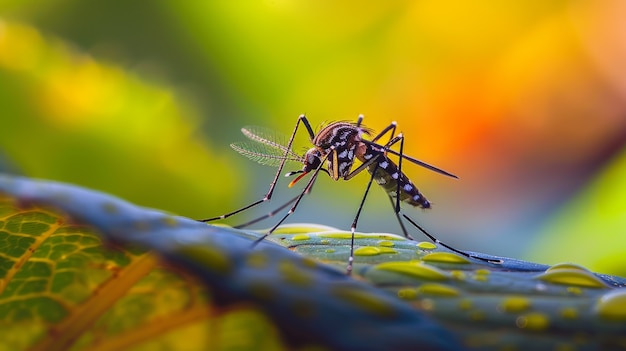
(117, 294)
(84, 270)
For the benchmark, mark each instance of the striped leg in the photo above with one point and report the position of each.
(355, 221)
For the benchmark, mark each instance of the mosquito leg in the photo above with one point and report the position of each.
(401, 156)
(404, 230)
(376, 154)
(401, 137)
(270, 191)
(356, 219)
(306, 190)
(361, 168)
(391, 127)
(359, 120)
(272, 213)
(396, 205)
(437, 241)
(267, 215)
(393, 204)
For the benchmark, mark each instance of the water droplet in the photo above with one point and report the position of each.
(257, 260)
(170, 221)
(386, 243)
(438, 290)
(390, 237)
(407, 294)
(301, 228)
(292, 275)
(417, 270)
(426, 245)
(612, 306)
(372, 251)
(481, 275)
(574, 290)
(208, 257)
(367, 251)
(342, 235)
(466, 304)
(569, 313)
(576, 277)
(308, 262)
(445, 257)
(365, 300)
(515, 304)
(533, 321)
(477, 316)
(567, 266)
(300, 237)
(458, 275)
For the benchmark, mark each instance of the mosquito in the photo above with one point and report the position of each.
(338, 145)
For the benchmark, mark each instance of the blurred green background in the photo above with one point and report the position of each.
(524, 100)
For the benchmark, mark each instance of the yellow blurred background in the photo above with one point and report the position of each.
(524, 100)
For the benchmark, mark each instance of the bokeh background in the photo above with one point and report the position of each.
(524, 100)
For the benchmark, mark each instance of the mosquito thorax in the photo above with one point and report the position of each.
(342, 142)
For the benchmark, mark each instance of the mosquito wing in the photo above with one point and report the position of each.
(265, 146)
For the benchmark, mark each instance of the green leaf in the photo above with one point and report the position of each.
(62, 285)
(488, 306)
(112, 294)
(77, 273)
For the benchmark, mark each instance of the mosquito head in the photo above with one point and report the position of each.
(312, 160)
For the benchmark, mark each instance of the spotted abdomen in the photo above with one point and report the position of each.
(388, 176)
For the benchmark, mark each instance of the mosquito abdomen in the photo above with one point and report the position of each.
(388, 176)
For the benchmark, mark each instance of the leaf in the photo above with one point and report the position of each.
(488, 306)
(64, 286)
(61, 286)
(268, 296)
